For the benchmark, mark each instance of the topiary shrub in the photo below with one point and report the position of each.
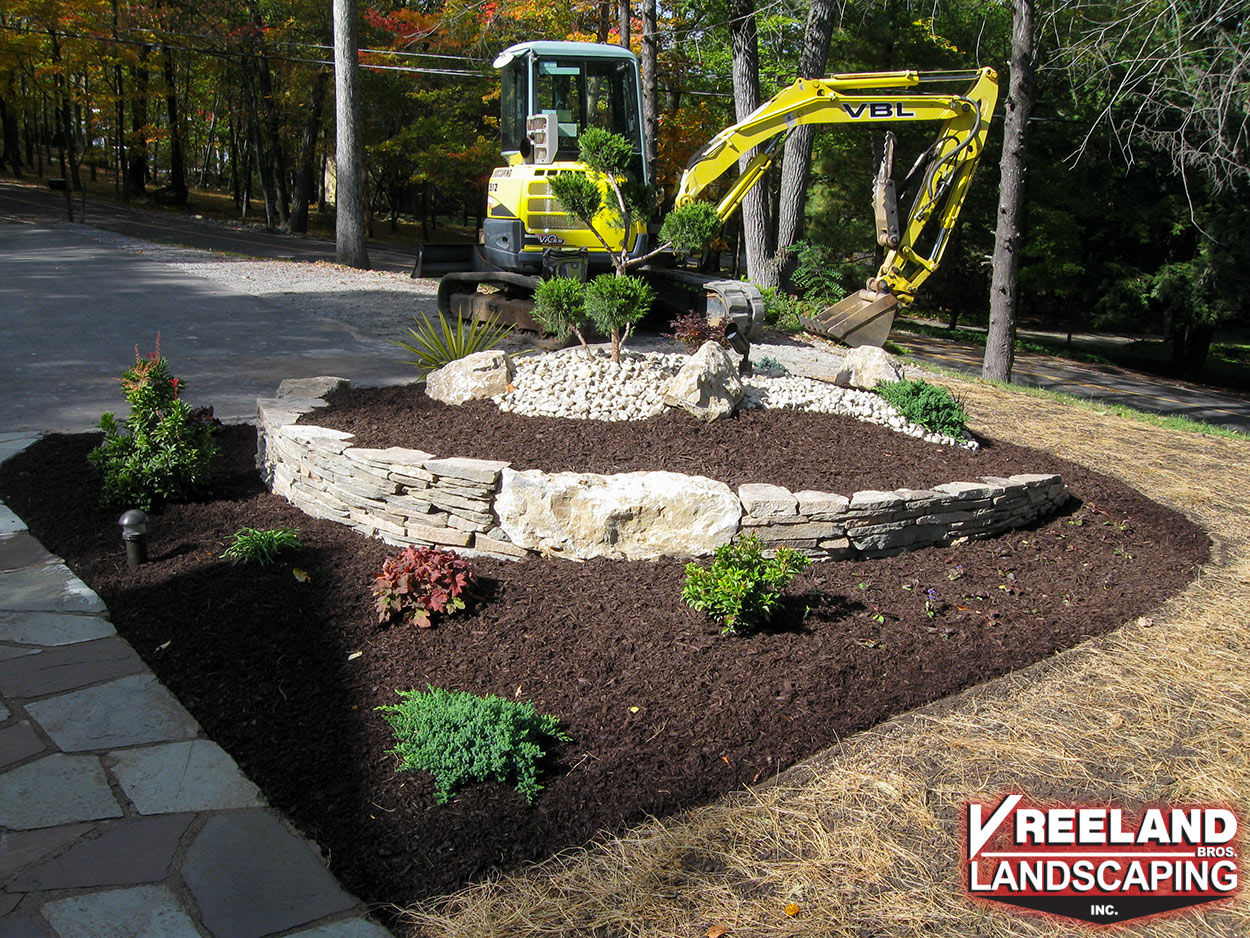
(461, 738)
(927, 405)
(418, 583)
(163, 450)
(741, 587)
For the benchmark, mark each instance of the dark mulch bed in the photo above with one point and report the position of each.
(663, 711)
(791, 448)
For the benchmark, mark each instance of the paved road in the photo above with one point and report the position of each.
(29, 202)
(1095, 382)
(72, 310)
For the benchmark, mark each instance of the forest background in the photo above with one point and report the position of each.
(1134, 210)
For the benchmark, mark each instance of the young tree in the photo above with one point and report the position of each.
(349, 223)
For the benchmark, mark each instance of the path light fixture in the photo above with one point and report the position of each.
(135, 533)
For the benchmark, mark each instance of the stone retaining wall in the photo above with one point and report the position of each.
(484, 507)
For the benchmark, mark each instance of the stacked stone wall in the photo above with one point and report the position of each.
(484, 507)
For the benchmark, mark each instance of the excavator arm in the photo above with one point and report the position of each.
(914, 242)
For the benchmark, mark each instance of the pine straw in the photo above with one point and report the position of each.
(866, 837)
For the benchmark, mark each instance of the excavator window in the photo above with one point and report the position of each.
(586, 93)
(515, 107)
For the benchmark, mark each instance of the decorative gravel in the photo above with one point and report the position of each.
(568, 384)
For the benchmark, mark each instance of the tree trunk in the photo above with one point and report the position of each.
(349, 221)
(605, 22)
(298, 220)
(796, 168)
(177, 167)
(66, 132)
(624, 18)
(650, 88)
(12, 147)
(273, 161)
(746, 82)
(137, 171)
(1009, 236)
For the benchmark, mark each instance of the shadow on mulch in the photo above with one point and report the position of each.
(664, 712)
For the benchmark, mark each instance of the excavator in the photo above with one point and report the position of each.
(553, 90)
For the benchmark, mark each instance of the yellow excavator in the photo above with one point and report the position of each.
(551, 91)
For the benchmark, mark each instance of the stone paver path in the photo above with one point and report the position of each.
(118, 819)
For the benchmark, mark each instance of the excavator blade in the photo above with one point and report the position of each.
(863, 318)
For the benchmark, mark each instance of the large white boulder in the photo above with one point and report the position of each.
(866, 367)
(628, 516)
(482, 374)
(708, 386)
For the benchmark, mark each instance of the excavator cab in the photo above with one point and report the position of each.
(551, 92)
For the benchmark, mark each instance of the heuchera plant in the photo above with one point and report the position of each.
(419, 582)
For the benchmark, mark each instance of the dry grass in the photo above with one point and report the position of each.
(866, 837)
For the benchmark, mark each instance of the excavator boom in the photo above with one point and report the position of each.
(915, 242)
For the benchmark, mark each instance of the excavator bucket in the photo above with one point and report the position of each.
(863, 318)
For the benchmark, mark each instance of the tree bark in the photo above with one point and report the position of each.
(796, 168)
(349, 222)
(12, 147)
(650, 87)
(623, 21)
(298, 219)
(746, 82)
(177, 166)
(137, 170)
(1009, 236)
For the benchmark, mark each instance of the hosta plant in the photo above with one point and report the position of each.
(741, 586)
(163, 450)
(460, 738)
(420, 582)
(262, 547)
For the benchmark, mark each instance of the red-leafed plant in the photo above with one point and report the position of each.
(420, 582)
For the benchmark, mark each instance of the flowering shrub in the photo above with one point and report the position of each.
(419, 582)
(460, 738)
(741, 587)
(163, 450)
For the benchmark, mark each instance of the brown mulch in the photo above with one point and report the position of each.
(791, 448)
(663, 711)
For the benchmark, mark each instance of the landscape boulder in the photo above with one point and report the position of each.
(482, 374)
(866, 367)
(627, 516)
(708, 386)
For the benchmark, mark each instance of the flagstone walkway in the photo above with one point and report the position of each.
(118, 818)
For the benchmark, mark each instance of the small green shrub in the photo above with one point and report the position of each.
(163, 450)
(560, 307)
(614, 304)
(262, 547)
(690, 227)
(741, 587)
(461, 738)
(435, 343)
(928, 405)
(419, 582)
